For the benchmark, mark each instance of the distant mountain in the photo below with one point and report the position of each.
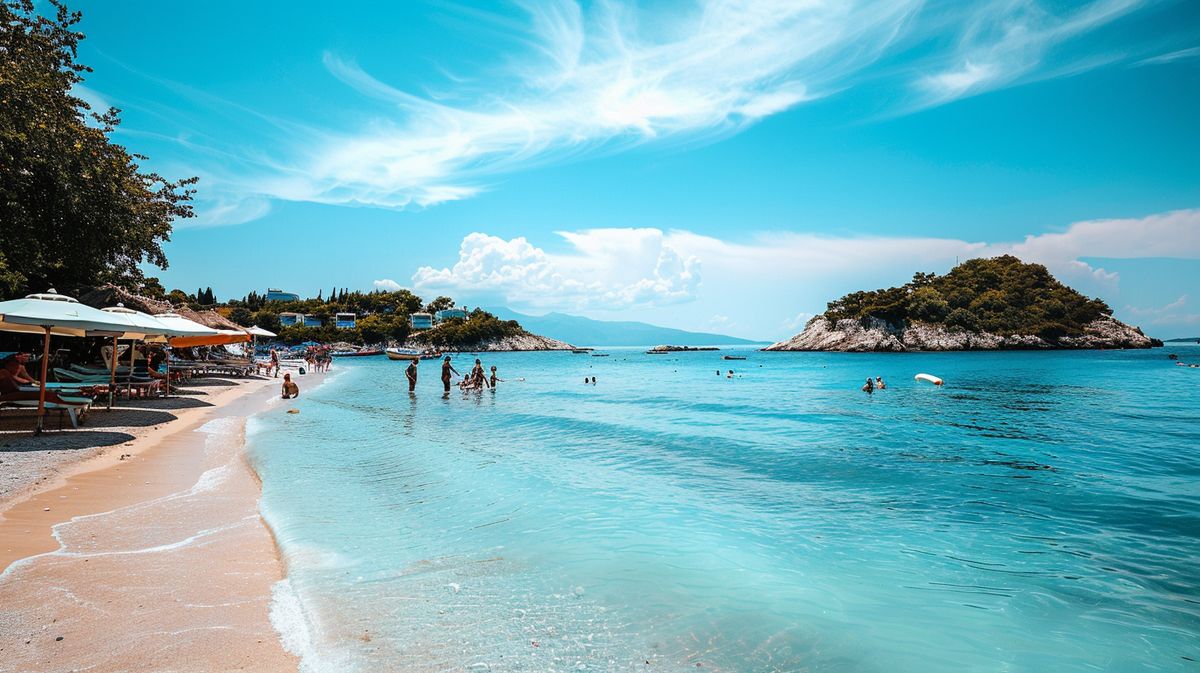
(1190, 340)
(587, 332)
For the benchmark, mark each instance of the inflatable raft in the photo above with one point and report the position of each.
(930, 378)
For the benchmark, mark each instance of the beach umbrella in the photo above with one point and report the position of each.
(141, 326)
(185, 333)
(53, 313)
(255, 331)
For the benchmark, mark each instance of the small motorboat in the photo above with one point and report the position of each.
(430, 355)
(402, 354)
(357, 354)
(599, 355)
(734, 357)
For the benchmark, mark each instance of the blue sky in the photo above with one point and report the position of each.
(713, 165)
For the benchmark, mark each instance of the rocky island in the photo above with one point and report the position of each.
(1000, 303)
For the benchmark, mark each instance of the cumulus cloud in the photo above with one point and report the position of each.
(1173, 234)
(774, 273)
(387, 284)
(609, 268)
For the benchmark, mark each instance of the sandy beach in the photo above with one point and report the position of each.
(135, 543)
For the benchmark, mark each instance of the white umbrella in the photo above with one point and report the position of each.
(257, 331)
(141, 326)
(53, 313)
(183, 329)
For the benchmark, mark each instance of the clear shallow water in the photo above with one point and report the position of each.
(1041, 512)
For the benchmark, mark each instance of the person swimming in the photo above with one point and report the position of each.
(879, 383)
(869, 386)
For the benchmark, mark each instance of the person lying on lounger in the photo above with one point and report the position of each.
(10, 386)
(21, 376)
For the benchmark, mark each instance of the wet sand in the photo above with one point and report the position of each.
(150, 557)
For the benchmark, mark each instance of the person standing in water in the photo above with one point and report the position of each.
(446, 369)
(476, 376)
(869, 386)
(879, 383)
(494, 378)
(411, 373)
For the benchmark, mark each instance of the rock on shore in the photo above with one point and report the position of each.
(875, 335)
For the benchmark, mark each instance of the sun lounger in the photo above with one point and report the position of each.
(75, 412)
(74, 376)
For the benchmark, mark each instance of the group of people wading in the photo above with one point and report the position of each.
(476, 380)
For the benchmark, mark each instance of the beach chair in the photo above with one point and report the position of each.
(75, 412)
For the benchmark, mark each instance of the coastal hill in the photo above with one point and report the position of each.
(483, 331)
(588, 332)
(982, 304)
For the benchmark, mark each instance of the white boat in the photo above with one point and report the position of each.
(402, 354)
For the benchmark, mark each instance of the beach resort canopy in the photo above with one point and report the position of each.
(140, 325)
(257, 331)
(192, 333)
(186, 333)
(53, 313)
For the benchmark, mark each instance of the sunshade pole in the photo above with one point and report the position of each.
(112, 378)
(129, 382)
(167, 352)
(42, 382)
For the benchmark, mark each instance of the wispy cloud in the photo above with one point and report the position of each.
(593, 80)
(1006, 41)
(1171, 57)
(1174, 313)
(609, 75)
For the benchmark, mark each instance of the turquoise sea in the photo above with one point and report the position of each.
(1040, 512)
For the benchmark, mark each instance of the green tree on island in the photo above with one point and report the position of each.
(77, 209)
(1001, 295)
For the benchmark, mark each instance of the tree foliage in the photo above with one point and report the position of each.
(77, 209)
(480, 327)
(1001, 295)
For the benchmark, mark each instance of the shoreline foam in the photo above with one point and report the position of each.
(159, 560)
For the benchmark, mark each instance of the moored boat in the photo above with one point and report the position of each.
(402, 354)
(357, 354)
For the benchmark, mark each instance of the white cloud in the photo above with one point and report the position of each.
(604, 76)
(1173, 234)
(611, 75)
(797, 321)
(609, 268)
(1006, 41)
(387, 284)
(754, 282)
(1170, 314)
(1171, 57)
